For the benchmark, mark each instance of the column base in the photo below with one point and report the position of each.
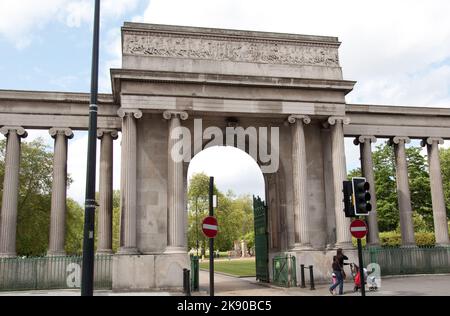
(128, 251)
(8, 255)
(52, 253)
(344, 245)
(104, 252)
(302, 247)
(175, 249)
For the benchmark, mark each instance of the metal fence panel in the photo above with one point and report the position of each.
(42, 273)
(284, 271)
(409, 260)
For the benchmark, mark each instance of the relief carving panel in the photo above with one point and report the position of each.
(230, 50)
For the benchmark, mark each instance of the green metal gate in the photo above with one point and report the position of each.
(261, 239)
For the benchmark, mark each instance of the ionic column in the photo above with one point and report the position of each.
(300, 178)
(403, 193)
(176, 237)
(437, 191)
(343, 236)
(104, 245)
(59, 191)
(128, 177)
(8, 218)
(365, 148)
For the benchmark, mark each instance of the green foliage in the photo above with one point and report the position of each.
(234, 215)
(34, 201)
(394, 239)
(74, 228)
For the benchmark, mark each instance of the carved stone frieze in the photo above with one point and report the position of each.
(230, 50)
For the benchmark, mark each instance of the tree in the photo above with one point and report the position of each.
(34, 201)
(234, 214)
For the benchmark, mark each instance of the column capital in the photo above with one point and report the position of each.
(135, 112)
(332, 120)
(113, 132)
(61, 130)
(430, 140)
(294, 117)
(183, 115)
(5, 130)
(364, 138)
(399, 139)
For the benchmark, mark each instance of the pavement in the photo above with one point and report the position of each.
(417, 285)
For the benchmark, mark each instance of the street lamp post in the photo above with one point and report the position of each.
(87, 274)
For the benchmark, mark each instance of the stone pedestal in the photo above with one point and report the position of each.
(149, 272)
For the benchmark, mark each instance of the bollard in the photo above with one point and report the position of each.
(302, 276)
(311, 277)
(186, 282)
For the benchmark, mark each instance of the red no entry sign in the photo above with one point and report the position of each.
(358, 228)
(209, 226)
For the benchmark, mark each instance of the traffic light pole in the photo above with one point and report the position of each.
(87, 273)
(361, 268)
(211, 240)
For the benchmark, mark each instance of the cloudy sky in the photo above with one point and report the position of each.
(398, 51)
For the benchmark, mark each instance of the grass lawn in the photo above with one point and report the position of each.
(236, 267)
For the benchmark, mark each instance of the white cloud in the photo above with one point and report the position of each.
(389, 47)
(20, 20)
(231, 168)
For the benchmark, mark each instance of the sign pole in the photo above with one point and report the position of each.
(361, 268)
(211, 240)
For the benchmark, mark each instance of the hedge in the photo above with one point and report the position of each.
(394, 239)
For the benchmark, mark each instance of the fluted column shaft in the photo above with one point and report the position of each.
(437, 191)
(365, 147)
(403, 193)
(300, 181)
(128, 194)
(343, 236)
(176, 226)
(59, 192)
(8, 218)
(104, 245)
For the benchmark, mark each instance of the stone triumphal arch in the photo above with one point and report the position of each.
(172, 76)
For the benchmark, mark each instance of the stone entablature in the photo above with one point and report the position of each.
(217, 51)
(229, 45)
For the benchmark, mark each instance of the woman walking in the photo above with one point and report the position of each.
(338, 270)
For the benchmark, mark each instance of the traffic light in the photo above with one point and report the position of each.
(348, 201)
(361, 196)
